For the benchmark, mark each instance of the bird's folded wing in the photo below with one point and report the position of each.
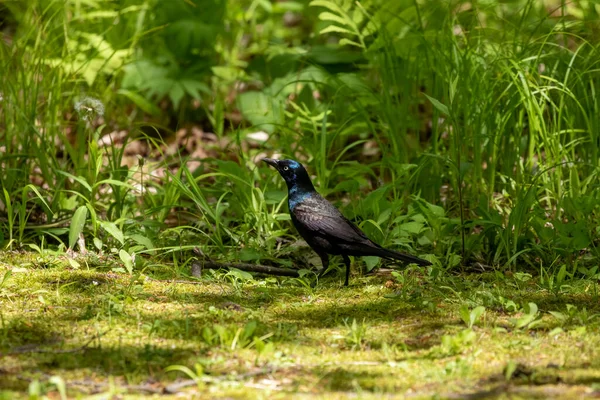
(322, 218)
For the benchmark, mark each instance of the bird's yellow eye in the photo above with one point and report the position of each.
(286, 168)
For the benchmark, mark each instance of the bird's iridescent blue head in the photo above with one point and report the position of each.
(293, 172)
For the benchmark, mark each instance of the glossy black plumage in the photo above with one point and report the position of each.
(323, 227)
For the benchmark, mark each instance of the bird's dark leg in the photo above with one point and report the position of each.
(347, 262)
(325, 262)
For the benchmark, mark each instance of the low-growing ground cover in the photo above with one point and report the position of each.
(131, 134)
(404, 334)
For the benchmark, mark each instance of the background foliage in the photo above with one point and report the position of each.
(466, 131)
(131, 132)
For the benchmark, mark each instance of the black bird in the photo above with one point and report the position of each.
(323, 227)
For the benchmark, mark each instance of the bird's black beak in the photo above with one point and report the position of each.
(271, 162)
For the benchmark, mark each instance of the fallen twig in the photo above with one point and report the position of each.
(206, 262)
(185, 281)
(263, 269)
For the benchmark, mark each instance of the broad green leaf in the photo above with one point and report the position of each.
(529, 318)
(78, 179)
(438, 105)
(562, 273)
(9, 209)
(453, 260)
(373, 224)
(93, 15)
(554, 332)
(93, 218)
(227, 73)
(194, 87)
(558, 315)
(523, 321)
(345, 41)
(295, 6)
(184, 369)
(510, 369)
(464, 314)
(232, 168)
(39, 196)
(99, 162)
(5, 277)
(327, 16)
(249, 329)
(140, 101)
(261, 110)
(77, 224)
(113, 230)
(176, 94)
(412, 227)
(337, 29)
(370, 28)
(371, 262)
(249, 255)
(115, 183)
(475, 315)
(98, 243)
(384, 216)
(143, 240)
(242, 275)
(327, 4)
(533, 308)
(60, 385)
(436, 210)
(127, 260)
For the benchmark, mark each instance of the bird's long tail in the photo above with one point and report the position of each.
(396, 255)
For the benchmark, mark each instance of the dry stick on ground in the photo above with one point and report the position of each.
(197, 271)
(206, 262)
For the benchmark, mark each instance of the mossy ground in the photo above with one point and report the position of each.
(113, 333)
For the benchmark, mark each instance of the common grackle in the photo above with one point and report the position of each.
(323, 227)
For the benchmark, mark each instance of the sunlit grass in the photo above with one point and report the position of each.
(464, 132)
(383, 335)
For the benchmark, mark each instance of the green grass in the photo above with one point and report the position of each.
(102, 332)
(464, 132)
(482, 130)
